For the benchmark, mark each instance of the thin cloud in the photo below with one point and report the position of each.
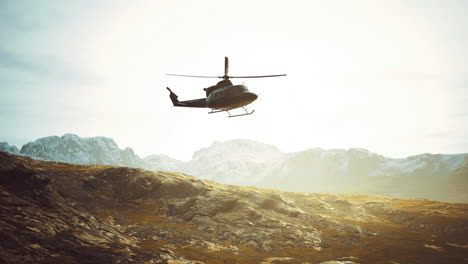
(26, 54)
(43, 67)
(460, 114)
(16, 61)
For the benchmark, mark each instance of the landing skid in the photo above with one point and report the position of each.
(246, 112)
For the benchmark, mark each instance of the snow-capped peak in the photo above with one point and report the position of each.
(74, 149)
(5, 147)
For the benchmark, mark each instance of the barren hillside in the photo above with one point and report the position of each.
(64, 213)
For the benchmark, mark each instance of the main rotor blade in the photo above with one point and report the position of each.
(226, 66)
(261, 76)
(196, 76)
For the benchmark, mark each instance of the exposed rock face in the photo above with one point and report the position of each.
(64, 213)
(73, 149)
(5, 147)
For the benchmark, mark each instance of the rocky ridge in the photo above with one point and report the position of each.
(74, 149)
(65, 213)
(5, 147)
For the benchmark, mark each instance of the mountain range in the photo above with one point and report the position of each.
(251, 163)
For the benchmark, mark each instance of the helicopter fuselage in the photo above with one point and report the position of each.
(230, 97)
(223, 96)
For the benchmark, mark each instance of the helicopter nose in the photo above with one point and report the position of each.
(250, 96)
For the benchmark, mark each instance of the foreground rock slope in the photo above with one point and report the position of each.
(64, 213)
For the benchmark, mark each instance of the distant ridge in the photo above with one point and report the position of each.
(247, 162)
(85, 151)
(5, 147)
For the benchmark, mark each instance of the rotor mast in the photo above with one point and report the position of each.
(226, 68)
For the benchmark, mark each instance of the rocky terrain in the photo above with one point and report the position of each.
(64, 213)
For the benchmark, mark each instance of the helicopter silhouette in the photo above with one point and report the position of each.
(222, 97)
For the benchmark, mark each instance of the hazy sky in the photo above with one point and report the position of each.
(388, 76)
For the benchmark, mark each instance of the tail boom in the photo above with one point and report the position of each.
(200, 103)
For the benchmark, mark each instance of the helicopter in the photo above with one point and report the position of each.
(222, 97)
